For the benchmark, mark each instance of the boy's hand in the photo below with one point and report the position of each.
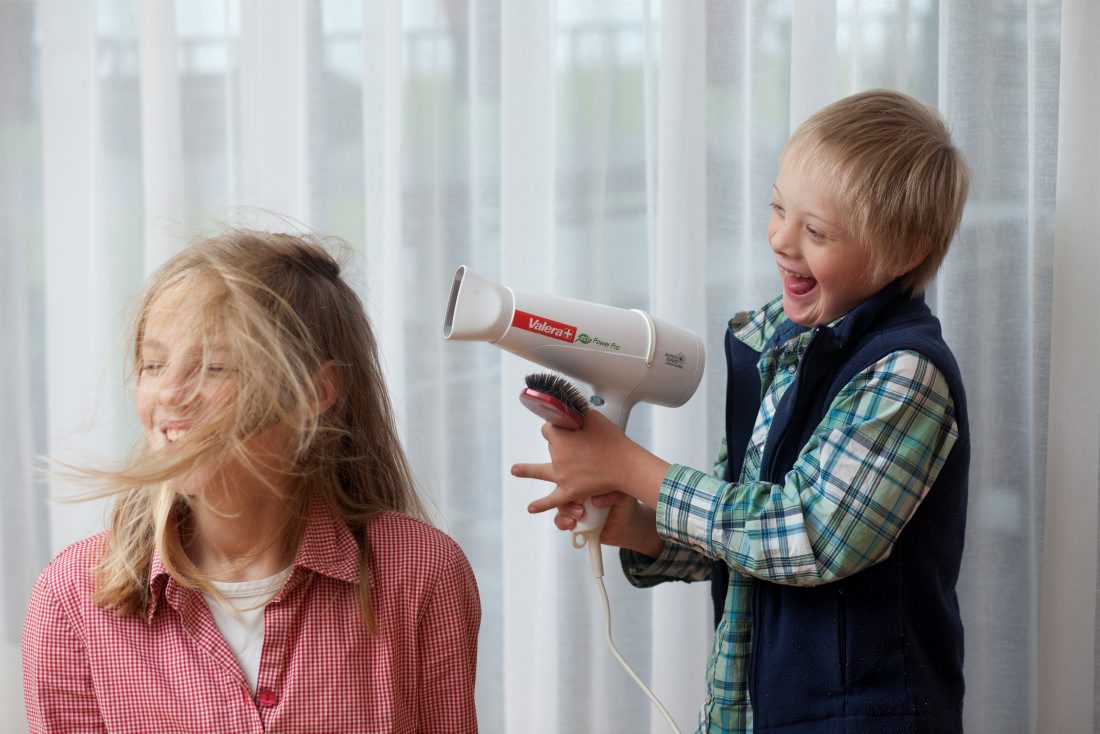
(595, 460)
(630, 524)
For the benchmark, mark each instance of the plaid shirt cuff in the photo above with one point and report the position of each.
(686, 508)
(676, 563)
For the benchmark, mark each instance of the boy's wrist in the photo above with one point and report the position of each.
(646, 540)
(648, 475)
(653, 548)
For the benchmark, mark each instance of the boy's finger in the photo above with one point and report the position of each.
(533, 471)
(549, 502)
(607, 500)
(573, 510)
(564, 522)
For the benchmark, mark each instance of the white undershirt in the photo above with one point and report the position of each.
(244, 630)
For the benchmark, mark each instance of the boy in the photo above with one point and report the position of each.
(838, 504)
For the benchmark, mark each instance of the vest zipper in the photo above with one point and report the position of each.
(842, 637)
(754, 644)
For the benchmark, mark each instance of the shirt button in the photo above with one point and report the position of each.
(266, 697)
(792, 369)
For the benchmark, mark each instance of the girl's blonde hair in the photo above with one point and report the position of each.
(892, 167)
(278, 304)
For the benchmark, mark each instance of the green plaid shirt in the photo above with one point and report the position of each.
(855, 485)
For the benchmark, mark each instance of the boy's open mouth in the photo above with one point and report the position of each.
(795, 284)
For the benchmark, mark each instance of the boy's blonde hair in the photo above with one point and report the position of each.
(893, 169)
(278, 304)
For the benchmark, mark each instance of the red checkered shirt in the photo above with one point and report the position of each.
(86, 670)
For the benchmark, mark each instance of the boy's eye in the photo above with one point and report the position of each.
(776, 208)
(816, 233)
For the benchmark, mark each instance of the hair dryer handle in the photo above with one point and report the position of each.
(587, 532)
(589, 525)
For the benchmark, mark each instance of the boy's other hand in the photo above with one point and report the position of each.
(597, 459)
(630, 524)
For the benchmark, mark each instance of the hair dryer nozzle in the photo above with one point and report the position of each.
(478, 309)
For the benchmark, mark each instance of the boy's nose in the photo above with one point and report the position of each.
(780, 238)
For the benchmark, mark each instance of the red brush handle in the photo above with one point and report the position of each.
(551, 409)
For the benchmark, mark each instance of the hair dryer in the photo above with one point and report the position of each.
(624, 355)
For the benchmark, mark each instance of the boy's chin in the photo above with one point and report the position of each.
(798, 314)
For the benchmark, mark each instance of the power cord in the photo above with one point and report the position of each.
(597, 570)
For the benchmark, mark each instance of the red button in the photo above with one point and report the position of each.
(266, 697)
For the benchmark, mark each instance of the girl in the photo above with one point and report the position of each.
(265, 568)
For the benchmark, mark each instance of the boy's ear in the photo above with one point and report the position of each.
(326, 379)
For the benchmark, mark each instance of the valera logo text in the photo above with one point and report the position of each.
(544, 326)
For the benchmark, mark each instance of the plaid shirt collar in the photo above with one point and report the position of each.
(756, 329)
(327, 547)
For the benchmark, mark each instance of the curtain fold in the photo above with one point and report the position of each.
(162, 122)
(382, 113)
(619, 152)
(1067, 650)
(680, 621)
(537, 642)
(81, 312)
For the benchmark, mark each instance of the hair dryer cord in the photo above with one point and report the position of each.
(607, 633)
(597, 570)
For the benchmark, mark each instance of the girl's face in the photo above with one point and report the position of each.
(825, 270)
(180, 387)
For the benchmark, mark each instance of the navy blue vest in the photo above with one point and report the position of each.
(882, 650)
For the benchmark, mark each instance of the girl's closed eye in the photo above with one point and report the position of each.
(776, 208)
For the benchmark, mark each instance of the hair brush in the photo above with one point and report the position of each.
(554, 399)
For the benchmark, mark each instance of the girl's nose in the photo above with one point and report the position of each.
(177, 388)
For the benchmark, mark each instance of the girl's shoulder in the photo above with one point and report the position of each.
(75, 561)
(69, 577)
(399, 541)
(394, 528)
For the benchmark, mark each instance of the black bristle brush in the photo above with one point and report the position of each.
(554, 399)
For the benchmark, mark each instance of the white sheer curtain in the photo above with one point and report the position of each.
(620, 152)
(1069, 623)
